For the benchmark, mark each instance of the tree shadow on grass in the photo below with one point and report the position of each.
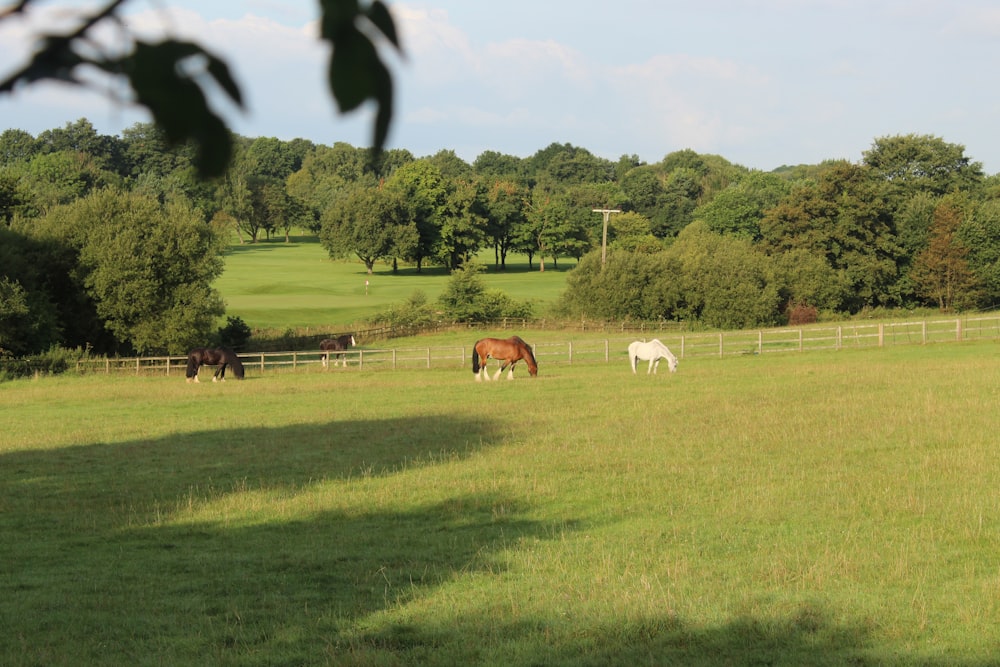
(102, 564)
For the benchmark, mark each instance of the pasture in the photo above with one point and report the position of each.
(825, 508)
(278, 285)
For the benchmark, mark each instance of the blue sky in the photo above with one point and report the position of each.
(762, 83)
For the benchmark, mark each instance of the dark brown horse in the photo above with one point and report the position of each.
(340, 343)
(508, 352)
(213, 356)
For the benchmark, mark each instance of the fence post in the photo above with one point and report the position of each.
(923, 332)
(840, 337)
(958, 330)
(881, 335)
(428, 357)
(720, 345)
(571, 352)
(607, 357)
(800, 340)
(760, 342)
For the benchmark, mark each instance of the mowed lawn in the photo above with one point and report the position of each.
(278, 285)
(826, 508)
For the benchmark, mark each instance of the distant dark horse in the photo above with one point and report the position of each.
(213, 356)
(338, 344)
(508, 352)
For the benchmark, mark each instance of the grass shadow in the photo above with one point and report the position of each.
(103, 566)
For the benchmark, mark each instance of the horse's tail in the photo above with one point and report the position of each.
(234, 362)
(475, 357)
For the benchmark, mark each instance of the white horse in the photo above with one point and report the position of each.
(652, 351)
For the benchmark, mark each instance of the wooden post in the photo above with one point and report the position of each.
(604, 235)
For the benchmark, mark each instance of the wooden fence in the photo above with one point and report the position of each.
(598, 350)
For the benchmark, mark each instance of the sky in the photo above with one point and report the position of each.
(763, 83)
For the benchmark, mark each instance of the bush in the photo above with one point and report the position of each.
(466, 299)
(802, 313)
(414, 312)
(54, 361)
(235, 334)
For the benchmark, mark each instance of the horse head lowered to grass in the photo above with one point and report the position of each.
(507, 352)
(213, 356)
(652, 352)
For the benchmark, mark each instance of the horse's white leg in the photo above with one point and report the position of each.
(650, 369)
(632, 361)
(325, 359)
(479, 375)
(196, 379)
(510, 373)
(496, 376)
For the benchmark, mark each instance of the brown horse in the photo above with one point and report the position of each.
(217, 356)
(508, 352)
(336, 345)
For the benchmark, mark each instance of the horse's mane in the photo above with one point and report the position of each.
(230, 357)
(527, 348)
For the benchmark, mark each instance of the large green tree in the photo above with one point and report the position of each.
(506, 202)
(425, 190)
(941, 271)
(369, 223)
(739, 208)
(147, 266)
(463, 223)
(726, 281)
(980, 233)
(843, 218)
(922, 163)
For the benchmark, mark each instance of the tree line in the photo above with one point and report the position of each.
(114, 242)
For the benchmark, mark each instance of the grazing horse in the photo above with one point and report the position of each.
(652, 351)
(213, 356)
(336, 345)
(508, 352)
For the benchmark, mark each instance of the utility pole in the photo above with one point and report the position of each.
(604, 237)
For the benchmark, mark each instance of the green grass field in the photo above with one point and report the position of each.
(824, 508)
(278, 285)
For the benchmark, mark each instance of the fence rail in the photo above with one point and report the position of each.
(596, 350)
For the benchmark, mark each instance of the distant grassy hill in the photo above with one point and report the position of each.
(277, 285)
